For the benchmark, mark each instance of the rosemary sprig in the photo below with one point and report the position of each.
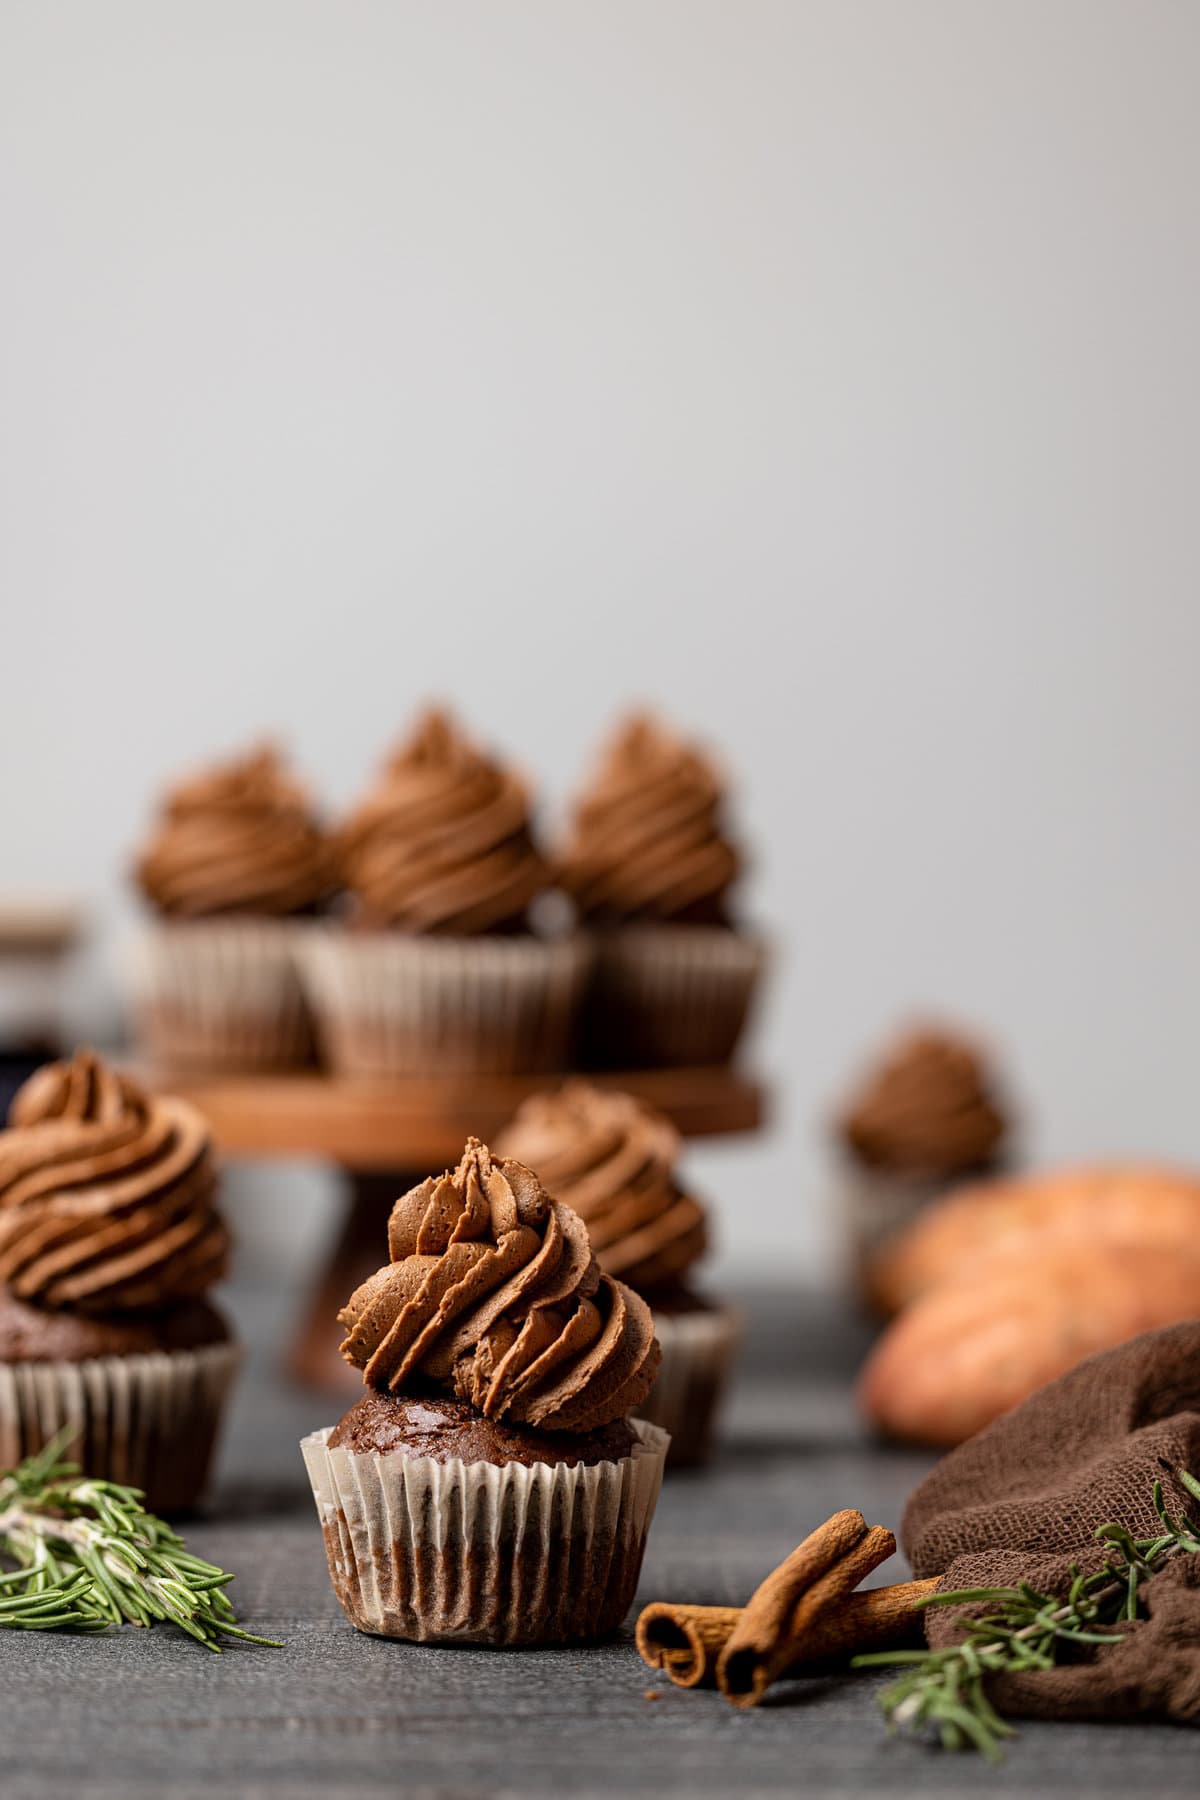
(946, 1690)
(86, 1554)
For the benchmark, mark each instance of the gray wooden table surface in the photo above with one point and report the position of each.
(136, 1714)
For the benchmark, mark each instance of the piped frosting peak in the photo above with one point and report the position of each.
(612, 1158)
(106, 1194)
(928, 1107)
(493, 1294)
(237, 838)
(442, 843)
(646, 842)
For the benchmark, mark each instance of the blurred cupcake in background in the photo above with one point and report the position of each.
(235, 860)
(438, 969)
(612, 1159)
(650, 869)
(110, 1241)
(929, 1114)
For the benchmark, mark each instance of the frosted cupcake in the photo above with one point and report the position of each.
(650, 869)
(235, 860)
(437, 970)
(613, 1159)
(490, 1487)
(110, 1241)
(928, 1115)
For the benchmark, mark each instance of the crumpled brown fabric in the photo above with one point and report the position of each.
(1022, 1500)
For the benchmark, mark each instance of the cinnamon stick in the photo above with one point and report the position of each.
(776, 1595)
(883, 1618)
(783, 1612)
(686, 1641)
(764, 1619)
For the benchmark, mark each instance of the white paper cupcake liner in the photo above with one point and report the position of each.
(149, 1421)
(475, 1553)
(221, 994)
(389, 1004)
(671, 995)
(877, 1208)
(698, 1349)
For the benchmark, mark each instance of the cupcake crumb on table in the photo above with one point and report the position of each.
(235, 862)
(436, 967)
(110, 1242)
(651, 869)
(490, 1486)
(613, 1159)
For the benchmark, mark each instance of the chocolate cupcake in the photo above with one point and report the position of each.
(612, 1158)
(489, 1487)
(235, 861)
(928, 1115)
(109, 1244)
(650, 870)
(437, 969)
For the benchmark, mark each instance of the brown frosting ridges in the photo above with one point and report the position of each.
(493, 1294)
(238, 838)
(612, 1159)
(646, 842)
(928, 1108)
(106, 1194)
(443, 843)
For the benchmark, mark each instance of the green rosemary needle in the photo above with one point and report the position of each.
(945, 1691)
(86, 1554)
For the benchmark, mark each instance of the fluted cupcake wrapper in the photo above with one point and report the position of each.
(221, 994)
(878, 1206)
(149, 1421)
(475, 1553)
(671, 995)
(391, 1004)
(698, 1349)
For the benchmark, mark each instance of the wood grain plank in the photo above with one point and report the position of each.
(423, 1124)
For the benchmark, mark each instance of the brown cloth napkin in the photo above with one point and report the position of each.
(1021, 1501)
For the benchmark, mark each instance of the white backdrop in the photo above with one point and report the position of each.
(825, 372)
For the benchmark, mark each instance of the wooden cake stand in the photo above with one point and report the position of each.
(388, 1135)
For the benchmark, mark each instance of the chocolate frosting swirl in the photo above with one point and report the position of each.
(646, 842)
(442, 843)
(927, 1109)
(106, 1194)
(493, 1294)
(612, 1158)
(237, 838)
